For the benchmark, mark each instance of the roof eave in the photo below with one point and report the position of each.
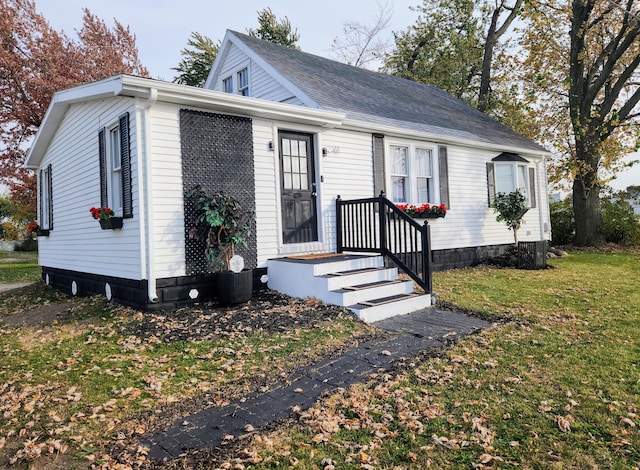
(440, 138)
(57, 109)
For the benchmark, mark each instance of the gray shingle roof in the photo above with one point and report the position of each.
(384, 99)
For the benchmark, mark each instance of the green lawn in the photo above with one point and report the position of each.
(558, 387)
(19, 266)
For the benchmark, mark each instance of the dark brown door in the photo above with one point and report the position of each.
(299, 221)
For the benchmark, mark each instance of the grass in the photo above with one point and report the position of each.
(17, 266)
(70, 388)
(559, 387)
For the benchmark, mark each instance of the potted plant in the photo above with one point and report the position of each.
(221, 223)
(106, 217)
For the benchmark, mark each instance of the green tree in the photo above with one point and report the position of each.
(511, 208)
(454, 46)
(197, 59)
(582, 59)
(273, 30)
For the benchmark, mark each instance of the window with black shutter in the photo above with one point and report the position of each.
(115, 167)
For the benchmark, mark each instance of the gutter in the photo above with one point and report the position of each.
(148, 202)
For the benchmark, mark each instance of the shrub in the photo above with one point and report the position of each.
(10, 231)
(620, 224)
(563, 225)
(511, 208)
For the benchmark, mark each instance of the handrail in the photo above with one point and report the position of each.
(378, 225)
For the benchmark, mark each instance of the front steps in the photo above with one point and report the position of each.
(359, 282)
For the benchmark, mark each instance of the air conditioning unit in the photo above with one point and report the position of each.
(532, 255)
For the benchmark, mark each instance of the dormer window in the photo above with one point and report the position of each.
(227, 85)
(243, 82)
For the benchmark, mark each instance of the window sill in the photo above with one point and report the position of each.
(111, 224)
(43, 232)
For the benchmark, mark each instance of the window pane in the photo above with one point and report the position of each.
(522, 177)
(286, 147)
(303, 148)
(303, 165)
(227, 85)
(296, 181)
(399, 155)
(304, 182)
(116, 190)
(287, 181)
(114, 146)
(399, 189)
(423, 162)
(504, 178)
(423, 189)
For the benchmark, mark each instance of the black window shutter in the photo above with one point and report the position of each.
(49, 190)
(532, 186)
(443, 166)
(491, 182)
(125, 152)
(102, 149)
(378, 164)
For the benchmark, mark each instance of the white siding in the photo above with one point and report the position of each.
(76, 242)
(267, 205)
(470, 221)
(261, 84)
(167, 196)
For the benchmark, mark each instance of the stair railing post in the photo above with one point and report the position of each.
(338, 224)
(426, 257)
(382, 211)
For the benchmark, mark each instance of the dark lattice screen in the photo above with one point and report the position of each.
(217, 154)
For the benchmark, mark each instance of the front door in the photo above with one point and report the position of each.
(299, 221)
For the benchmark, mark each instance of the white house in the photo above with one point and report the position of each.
(287, 133)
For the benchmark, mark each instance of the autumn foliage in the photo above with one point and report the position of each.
(35, 62)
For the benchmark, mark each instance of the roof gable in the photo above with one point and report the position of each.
(380, 98)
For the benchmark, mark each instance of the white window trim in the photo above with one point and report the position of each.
(516, 167)
(229, 80)
(45, 201)
(412, 187)
(111, 169)
(247, 86)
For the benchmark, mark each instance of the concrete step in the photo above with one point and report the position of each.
(387, 307)
(338, 280)
(351, 295)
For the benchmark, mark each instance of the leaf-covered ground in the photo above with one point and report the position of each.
(84, 378)
(560, 388)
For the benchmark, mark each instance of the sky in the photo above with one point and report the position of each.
(163, 27)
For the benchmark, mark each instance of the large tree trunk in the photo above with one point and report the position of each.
(588, 217)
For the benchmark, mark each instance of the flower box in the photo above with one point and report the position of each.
(424, 211)
(110, 224)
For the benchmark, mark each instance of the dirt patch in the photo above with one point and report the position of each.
(7, 286)
(42, 315)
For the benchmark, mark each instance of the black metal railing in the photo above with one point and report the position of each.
(377, 225)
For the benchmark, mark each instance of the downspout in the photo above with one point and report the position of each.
(151, 268)
(542, 211)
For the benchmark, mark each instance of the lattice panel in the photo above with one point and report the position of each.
(217, 154)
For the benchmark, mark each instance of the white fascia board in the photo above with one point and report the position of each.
(230, 103)
(277, 76)
(221, 56)
(364, 126)
(57, 109)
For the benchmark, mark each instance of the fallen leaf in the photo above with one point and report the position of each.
(564, 422)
